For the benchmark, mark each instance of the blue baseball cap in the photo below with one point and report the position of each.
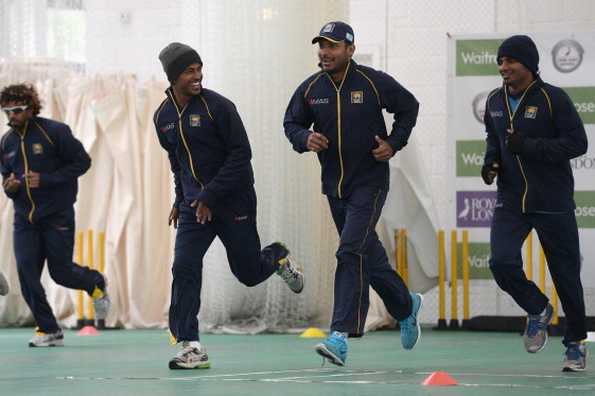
(335, 32)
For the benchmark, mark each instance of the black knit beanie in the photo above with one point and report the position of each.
(176, 57)
(523, 49)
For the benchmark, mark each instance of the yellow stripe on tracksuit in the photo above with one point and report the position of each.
(26, 166)
(186, 147)
(511, 118)
(339, 131)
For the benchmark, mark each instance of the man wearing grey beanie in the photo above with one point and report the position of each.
(533, 131)
(210, 155)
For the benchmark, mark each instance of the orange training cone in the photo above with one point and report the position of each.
(439, 378)
(88, 331)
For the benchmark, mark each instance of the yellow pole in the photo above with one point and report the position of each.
(465, 276)
(441, 280)
(541, 269)
(404, 264)
(454, 309)
(101, 252)
(554, 302)
(80, 299)
(397, 253)
(90, 261)
(529, 261)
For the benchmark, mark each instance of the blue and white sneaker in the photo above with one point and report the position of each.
(535, 336)
(575, 358)
(410, 328)
(334, 348)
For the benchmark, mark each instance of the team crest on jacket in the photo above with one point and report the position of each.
(357, 97)
(37, 148)
(531, 112)
(194, 120)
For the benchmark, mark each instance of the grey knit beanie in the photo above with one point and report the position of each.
(176, 57)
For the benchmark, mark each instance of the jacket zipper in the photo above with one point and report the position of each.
(518, 158)
(26, 165)
(339, 131)
(186, 147)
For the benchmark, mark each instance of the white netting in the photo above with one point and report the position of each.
(258, 70)
(255, 53)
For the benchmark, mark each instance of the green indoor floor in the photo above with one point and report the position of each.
(134, 362)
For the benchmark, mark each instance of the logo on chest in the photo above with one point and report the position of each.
(357, 97)
(10, 155)
(168, 127)
(37, 148)
(194, 120)
(531, 112)
(317, 101)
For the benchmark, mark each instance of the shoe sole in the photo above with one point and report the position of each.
(567, 369)
(177, 366)
(421, 304)
(546, 336)
(322, 350)
(48, 345)
(299, 291)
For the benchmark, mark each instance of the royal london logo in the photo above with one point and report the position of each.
(318, 101)
(478, 105)
(567, 55)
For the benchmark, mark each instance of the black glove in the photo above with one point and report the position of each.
(514, 142)
(489, 173)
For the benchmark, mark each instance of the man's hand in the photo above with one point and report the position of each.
(32, 179)
(317, 142)
(489, 173)
(11, 184)
(514, 141)
(384, 151)
(203, 213)
(173, 217)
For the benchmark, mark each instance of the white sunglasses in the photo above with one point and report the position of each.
(15, 109)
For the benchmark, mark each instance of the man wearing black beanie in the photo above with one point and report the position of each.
(210, 154)
(533, 130)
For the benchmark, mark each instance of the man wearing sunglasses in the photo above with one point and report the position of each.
(40, 162)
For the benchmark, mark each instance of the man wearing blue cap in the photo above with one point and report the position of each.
(533, 130)
(210, 154)
(343, 103)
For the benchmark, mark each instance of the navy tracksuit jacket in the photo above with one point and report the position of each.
(535, 190)
(44, 216)
(349, 114)
(210, 155)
